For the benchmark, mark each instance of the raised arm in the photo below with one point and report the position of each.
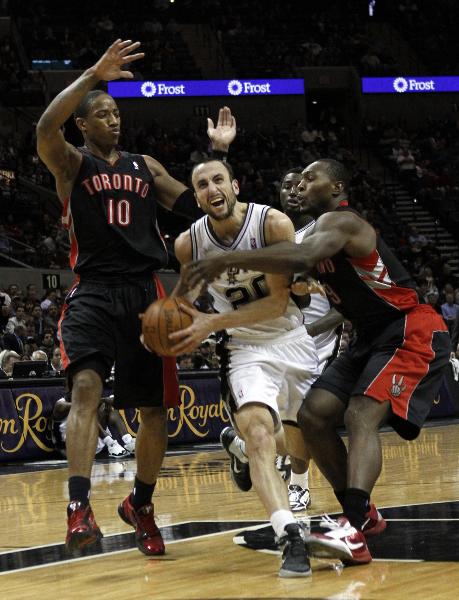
(174, 195)
(61, 158)
(333, 232)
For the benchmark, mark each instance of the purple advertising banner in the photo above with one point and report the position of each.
(409, 84)
(25, 423)
(212, 87)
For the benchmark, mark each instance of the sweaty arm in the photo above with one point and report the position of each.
(277, 227)
(333, 231)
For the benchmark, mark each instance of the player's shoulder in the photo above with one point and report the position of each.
(278, 227)
(156, 168)
(277, 217)
(341, 219)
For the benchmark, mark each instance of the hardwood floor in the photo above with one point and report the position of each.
(418, 555)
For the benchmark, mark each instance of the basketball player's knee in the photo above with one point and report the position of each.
(86, 390)
(307, 420)
(260, 435)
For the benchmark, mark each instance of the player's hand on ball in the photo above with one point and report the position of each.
(110, 65)
(188, 339)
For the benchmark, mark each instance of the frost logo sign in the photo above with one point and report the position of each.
(236, 87)
(150, 89)
(400, 85)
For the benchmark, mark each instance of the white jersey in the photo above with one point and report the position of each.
(319, 306)
(236, 287)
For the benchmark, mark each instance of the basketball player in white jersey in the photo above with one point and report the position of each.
(321, 323)
(271, 359)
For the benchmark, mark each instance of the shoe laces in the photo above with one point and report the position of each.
(329, 523)
(145, 520)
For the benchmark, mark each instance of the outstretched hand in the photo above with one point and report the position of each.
(109, 66)
(200, 273)
(224, 133)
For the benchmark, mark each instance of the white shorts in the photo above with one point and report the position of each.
(277, 374)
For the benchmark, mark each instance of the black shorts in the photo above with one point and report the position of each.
(100, 326)
(404, 365)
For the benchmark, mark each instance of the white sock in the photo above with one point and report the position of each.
(279, 519)
(127, 437)
(237, 447)
(301, 479)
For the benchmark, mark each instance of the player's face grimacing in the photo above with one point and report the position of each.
(315, 190)
(102, 124)
(289, 194)
(215, 192)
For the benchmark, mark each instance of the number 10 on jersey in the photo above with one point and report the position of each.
(118, 212)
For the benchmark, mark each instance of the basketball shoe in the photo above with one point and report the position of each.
(82, 529)
(147, 535)
(298, 497)
(341, 541)
(239, 466)
(295, 560)
(283, 466)
(375, 522)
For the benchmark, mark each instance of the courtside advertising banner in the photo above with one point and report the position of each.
(408, 84)
(213, 87)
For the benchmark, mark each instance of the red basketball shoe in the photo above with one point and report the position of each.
(341, 541)
(147, 535)
(82, 529)
(375, 522)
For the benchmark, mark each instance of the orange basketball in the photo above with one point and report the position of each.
(162, 318)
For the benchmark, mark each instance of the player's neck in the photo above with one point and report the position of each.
(108, 153)
(228, 229)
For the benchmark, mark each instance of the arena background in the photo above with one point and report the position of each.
(378, 83)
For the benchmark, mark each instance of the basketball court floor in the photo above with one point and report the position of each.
(209, 525)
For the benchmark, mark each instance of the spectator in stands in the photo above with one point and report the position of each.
(432, 299)
(56, 362)
(47, 343)
(31, 294)
(39, 355)
(7, 360)
(39, 322)
(18, 319)
(14, 340)
(52, 317)
(449, 311)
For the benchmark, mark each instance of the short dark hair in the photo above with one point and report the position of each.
(297, 170)
(227, 166)
(336, 171)
(82, 110)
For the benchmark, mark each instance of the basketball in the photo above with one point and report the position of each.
(162, 318)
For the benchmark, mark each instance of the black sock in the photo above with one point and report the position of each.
(340, 496)
(142, 493)
(79, 489)
(356, 505)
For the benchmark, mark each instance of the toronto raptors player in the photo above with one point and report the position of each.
(110, 199)
(389, 374)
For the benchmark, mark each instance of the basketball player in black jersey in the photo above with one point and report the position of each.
(109, 200)
(390, 373)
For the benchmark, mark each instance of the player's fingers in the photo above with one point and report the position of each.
(131, 57)
(188, 310)
(126, 75)
(210, 124)
(129, 49)
(123, 43)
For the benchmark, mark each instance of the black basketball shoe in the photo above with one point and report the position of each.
(295, 560)
(239, 470)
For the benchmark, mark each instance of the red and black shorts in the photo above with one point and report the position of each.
(404, 365)
(100, 326)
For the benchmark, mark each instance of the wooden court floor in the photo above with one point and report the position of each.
(200, 512)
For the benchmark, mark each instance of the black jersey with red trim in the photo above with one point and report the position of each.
(369, 291)
(111, 218)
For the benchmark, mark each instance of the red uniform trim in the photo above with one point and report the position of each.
(171, 390)
(64, 357)
(404, 371)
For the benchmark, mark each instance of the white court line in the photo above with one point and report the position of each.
(107, 535)
(106, 554)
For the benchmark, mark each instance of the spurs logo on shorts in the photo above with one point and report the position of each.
(397, 386)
